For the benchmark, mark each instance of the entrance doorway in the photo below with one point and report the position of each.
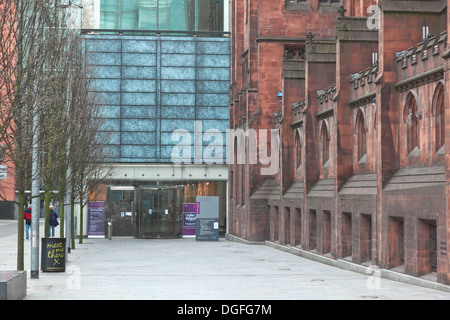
(158, 212)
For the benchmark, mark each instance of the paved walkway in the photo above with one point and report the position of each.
(185, 269)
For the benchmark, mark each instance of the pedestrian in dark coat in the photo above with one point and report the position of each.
(53, 222)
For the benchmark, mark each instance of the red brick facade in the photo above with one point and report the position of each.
(362, 122)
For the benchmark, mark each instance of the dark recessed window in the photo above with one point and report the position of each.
(298, 149)
(325, 137)
(412, 124)
(439, 108)
(361, 134)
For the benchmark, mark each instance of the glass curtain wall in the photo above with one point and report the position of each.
(173, 15)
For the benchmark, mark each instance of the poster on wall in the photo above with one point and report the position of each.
(96, 219)
(207, 220)
(189, 218)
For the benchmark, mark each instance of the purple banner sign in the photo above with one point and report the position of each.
(189, 218)
(96, 219)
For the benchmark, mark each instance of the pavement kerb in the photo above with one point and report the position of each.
(348, 265)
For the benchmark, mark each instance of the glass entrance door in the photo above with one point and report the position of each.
(159, 212)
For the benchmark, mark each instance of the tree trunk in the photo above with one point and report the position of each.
(80, 240)
(72, 222)
(47, 211)
(61, 215)
(20, 231)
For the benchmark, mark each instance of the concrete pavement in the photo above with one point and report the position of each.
(185, 269)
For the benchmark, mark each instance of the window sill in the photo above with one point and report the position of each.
(441, 150)
(363, 159)
(415, 153)
(301, 6)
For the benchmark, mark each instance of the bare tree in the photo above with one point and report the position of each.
(87, 150)
(21, 66)
(42, 72)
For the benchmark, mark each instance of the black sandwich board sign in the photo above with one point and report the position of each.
(53, 255)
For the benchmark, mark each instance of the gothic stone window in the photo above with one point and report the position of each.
(361, 135)
(412, 124)
(325, 138)
(439, 108)
(298, 149)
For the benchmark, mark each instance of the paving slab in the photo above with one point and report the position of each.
(186, 269)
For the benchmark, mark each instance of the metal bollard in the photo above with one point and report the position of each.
(109, 230)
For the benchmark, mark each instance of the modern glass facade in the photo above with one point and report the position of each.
(151, 86)
(174, 15)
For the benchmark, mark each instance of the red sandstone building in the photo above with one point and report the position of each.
(362, 118)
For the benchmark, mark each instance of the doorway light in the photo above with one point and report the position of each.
(121, 188)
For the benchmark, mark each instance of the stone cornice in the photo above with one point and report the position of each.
(420, 79)
(325, 113)
(362, 100)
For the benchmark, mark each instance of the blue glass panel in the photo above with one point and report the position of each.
(110, 98)
(129, 151)
(104, 72)
(177, 112)
(173, 73)
(213, 86)
(141, 138)
(213, 74)
(213, 100)
(138, 112)
(216, 47)
(112, 151)
(105, 59)
(139, 59)
(110, 125)
(177, 99)
(107, 85)
(103, 45)
(109, 111)
(171, 139)
(161, 91)
(139, 72)
(178, 60)
(138, 124)
(181, 86)
(205, 113)
(213, 60)
(177, 47)
(220, 125)
(166, 153)
(139, 99)
(108, 137)
(139, 85)
(139, 46)
(171, 125)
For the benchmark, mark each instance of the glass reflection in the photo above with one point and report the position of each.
(174, 15)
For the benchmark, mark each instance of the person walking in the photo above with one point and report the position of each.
(27, 217)
(53, 222)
